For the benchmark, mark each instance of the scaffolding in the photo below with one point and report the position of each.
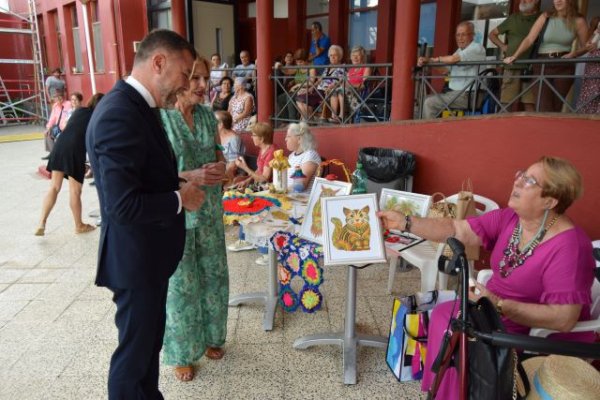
(23, 100)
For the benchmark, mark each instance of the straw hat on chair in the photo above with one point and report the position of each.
(561, 378)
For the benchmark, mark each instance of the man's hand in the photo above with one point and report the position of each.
(422, 61)
(191, 196)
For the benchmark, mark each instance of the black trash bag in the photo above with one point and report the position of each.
(384, 165)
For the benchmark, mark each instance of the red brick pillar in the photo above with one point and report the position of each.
(264, 23)
(178, 17)
(405, 58)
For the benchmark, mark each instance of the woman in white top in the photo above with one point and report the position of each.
(303, 146)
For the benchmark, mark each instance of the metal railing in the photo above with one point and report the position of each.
(484, 90)
(369, 103)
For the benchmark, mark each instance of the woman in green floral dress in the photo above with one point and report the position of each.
(199, 289)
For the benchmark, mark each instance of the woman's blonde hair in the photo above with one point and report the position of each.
(572, 14)
(563, 182)
(263, 131)
(200, 60)
(307, 140)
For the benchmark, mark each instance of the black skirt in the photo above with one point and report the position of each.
(68, 154)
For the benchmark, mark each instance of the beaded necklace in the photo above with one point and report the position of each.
(513, 257)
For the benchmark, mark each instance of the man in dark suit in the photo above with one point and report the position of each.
(141, 203)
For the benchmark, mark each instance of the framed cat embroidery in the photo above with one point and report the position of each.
(351, 231)
(312, 228)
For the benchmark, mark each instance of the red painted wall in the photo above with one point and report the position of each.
(488, 150)
(122, 23)
(15, 46)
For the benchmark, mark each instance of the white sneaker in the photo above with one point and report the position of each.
(262, 260)
(241, 245)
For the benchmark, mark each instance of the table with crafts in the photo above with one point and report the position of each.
(267, 215)
(290, 256)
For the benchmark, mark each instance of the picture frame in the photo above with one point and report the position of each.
(347, 243)
(415, 204)
(312, 228)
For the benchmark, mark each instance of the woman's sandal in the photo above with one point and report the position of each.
(215, 353)
(85, 228)
(40, 231)
(185, 373)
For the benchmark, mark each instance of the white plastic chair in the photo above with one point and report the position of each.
(583, 326)
(425, 256)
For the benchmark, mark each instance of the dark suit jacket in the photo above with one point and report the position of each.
(142, 236)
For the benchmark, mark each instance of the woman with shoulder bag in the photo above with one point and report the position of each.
(542, 262)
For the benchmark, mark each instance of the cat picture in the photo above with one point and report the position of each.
(313, 223)
(316, 227)
(355, 235)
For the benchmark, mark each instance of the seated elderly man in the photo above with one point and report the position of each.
(246, 70)
(467, 50)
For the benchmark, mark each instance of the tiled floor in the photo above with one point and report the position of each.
(57, 331)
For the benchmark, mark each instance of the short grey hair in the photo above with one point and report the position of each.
(336, 48)
(307, 140)
(361, 50)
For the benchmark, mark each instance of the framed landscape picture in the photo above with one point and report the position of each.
(312, 228)
(406, 203)
(351, 230)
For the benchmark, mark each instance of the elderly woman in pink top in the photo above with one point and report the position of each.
(356, 79)
(61, 110)
(542, 262)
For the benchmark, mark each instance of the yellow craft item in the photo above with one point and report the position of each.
(279, 161)
(279, 215)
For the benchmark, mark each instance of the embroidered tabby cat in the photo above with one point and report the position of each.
(316, 228)
(356, 234)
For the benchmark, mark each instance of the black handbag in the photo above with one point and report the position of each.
(55, 130)
(493, 371)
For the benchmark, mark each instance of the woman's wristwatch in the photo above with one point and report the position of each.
(407, 223)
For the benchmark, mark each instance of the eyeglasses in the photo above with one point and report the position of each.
(527, 180)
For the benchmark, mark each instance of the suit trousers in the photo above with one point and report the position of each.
(140, 320)
(436, 103)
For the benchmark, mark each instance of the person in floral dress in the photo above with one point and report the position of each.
(241, 106)
(199, 289)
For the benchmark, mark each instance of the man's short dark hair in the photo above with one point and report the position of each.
(318, 25)
(162, 39)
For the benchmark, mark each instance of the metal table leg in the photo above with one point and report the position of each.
(269, 298)
(348, 339)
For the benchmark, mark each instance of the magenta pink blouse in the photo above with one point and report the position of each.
(560, 270)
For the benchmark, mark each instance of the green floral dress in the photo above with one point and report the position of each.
(199, 288)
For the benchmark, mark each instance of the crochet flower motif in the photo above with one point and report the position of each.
(311, 300)
(311, 273)
(284, 274)
(288, 299)
(293, 262)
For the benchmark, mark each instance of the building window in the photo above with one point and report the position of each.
(61, 60)
(159, 14)
(318, 10)
(427, 23)
(76, 40)
(362, 23)
(97, 37)
(485, 16)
